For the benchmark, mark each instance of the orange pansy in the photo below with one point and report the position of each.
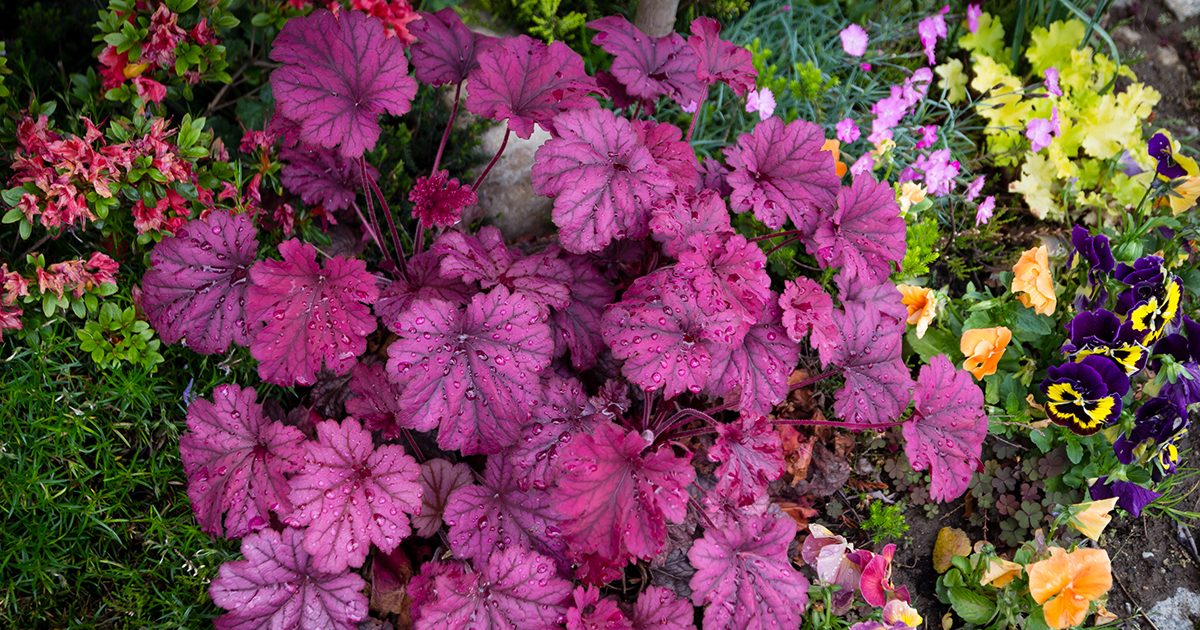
(983, 348)
(835, 147)
(1032, 277)
(1001, 572)
(1092, 517)
(922, 306)
(1066, 583)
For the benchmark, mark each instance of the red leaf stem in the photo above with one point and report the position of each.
(487, 170)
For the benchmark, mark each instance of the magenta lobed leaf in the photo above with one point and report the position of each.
(235, 461)
(438, 479)
(498, 514)
(528, 82)
(745, 578)
(311, 314)
(564, 413)
(440, 201)
(667, 342)
(338, 74)
(751, 456)
(864, 235)
(808, 311)
(516, 590)
(720, 60)
(423, 281)
(422, 588)
(727, 273)
(446, 51)
(543, 277)
(649, 67)
(376, 401)
(675, 219)
(885, 297)
(781, 172)
(279, 586)
(878, 385)
(946, 432)
(590, 612)
(350, 495)
(759, 367)
(603, 179)
(490, 356)
(666, 145)
(323, 176)
(727, 513)
(195, 289)
(658, 608)
(617, 498)
(577, 327)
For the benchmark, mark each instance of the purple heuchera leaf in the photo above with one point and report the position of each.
(649, 67)
(666, 145)
(376, 401)
(423, 281)
(542, 277)
(884, 297)
(947, 428)
(350, 495)
(528, 82)
(751, 457)
(745, 578)
(675, 219)
(516, 590)
(279, 586)
(497, 515)
(878, 385)
(323, 176)
(658, 608)
(590, 612)
(618, 498)
(440, 201)
(564, 413)
(577, 327)
(667, 342)
(311, 314)
(720, 60)
(196, 287)
(422, 588)
(446, 51)
(864, 236)
(439, 478)
(235, 461)
(807, 307)
(489, 358)
(338, 74)
(781, 172)
(603, 179)
(759, 367)
(727, 273)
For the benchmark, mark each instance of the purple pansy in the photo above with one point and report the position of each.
(1161, 150)
(1100, 332)
(1095, 250)
(1085, 396)
(1183, 388)
(1161, 420)
(1130, 496)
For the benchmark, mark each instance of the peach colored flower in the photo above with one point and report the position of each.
(1092, 517)
(910, 195)
(922, 306)
(983, 348)
(1001, 572)
(834, 147)
(1066, 583)
(1032, 277)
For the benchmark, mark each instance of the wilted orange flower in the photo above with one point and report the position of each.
(1032, 277)
(1065, 583)
(1001, 572)
(1092, 517)
(835, 147)
(922, 306)
(984, 347)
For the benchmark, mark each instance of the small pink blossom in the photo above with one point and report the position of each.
(866, 67)
(847, 131)
(928, 136)
(939, 170)
(973, 13)
(1051, 75)
(930, 29)
(984, 212)
(854, 40)
(864, 164)
(974, 188)
(1041, 132)
(691, 107)
(761, 101)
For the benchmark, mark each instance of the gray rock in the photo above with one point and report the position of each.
(1184, 9)
(1178, 612)
(506, 197)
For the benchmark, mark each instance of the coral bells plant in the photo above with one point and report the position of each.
(544, 415)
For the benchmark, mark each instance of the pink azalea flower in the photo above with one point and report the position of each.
(930, 29)
(974, 188)
(1051, 75)
(847, 131)
(973, 13)
(854, 40)
(984, 212)
(928, 136)
(1041, 132)
(761, 101)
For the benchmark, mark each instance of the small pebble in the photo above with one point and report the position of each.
(1147, 554)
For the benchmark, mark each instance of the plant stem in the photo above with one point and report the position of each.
(784, 243)
(775, 235)
(699, 108)
(844, 425)
(387, 212)
(413, 443)
(449, 125)
(820, 377)
(487, 170)
(693, 432)
(374, 223)
(370, 227)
